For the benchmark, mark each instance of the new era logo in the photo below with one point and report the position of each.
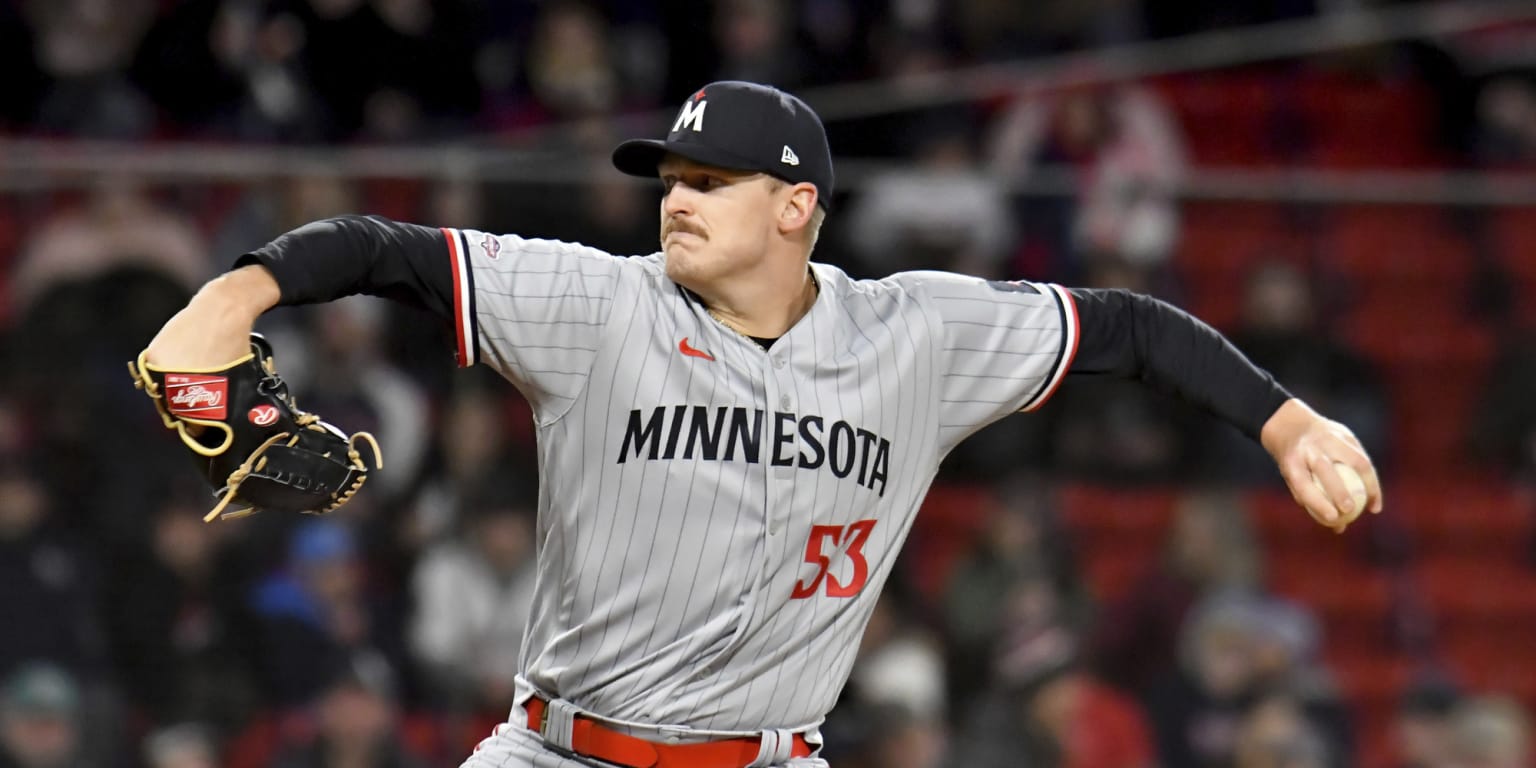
(789, 157)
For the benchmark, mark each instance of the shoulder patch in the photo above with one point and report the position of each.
(1013, 286)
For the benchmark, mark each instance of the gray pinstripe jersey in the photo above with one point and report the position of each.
(717, 520)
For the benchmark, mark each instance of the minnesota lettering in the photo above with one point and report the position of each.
(727, 433)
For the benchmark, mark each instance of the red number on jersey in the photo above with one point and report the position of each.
(856, 534)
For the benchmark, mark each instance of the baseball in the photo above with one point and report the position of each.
(1353, 483)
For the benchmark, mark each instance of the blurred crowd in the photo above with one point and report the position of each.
(387, 634)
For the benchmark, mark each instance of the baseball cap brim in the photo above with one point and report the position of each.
(640, 157)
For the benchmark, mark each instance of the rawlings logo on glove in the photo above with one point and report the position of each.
(200, 395)
(257, 449)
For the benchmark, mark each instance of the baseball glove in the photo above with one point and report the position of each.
(255, 447)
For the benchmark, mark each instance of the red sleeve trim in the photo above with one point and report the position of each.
(1071, 331)
(463, 299)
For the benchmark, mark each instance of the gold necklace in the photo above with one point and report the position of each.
(815, 293)
(728, 326)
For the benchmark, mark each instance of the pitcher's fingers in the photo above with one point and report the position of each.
(1375, 498)
(1350, 452)
(1298, 475)
(1338, 493)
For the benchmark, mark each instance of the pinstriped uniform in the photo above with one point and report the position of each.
(716, 520)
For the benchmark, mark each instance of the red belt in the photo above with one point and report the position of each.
(590, 738)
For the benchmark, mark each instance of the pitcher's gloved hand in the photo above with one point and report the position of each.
(254, 445)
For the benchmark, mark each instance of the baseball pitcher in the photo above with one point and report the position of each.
(734, 440)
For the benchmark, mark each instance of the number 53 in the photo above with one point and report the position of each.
(851, 539)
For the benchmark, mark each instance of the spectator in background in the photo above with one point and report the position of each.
(46, 590)
(427, 83)
(186, 745)
(39, 719)
(1421, 732)
(1280, 330)
(893, 712)
(363, 389)
(1286, 642)
(1048, 711)
(603, 209)
(472, 598)
(232, 68)
(63, 352)
(939, 212)
(1127, 151)
(1506, 121)
(756, 42)
(276, 205)
(475, 449)
(1490, 732)
(1276, 734)
(569, 67)
(118, 224)
(356, 718)
(85, 48)
(172, 629)
(1019, 549)
(1235, 650)
(898, 663)
(380, 69)
(1038, 704)
(1210, 549)
(316, 615)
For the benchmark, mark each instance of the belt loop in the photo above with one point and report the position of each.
(559, 723)
(775, 747)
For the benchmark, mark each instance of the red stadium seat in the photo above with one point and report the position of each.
(1225, 118)
(1353, 601)
(1109, 571)
(947, 528)
(1365, 124)
(1118, 516)
(1371, 678)
(1398, 241)
(1514, 236)
(1481, 590)
(1279, 522)
(1492, 662)
(1487, 524)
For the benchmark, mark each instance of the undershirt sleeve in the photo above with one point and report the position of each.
(346, 255)
(1135, 336)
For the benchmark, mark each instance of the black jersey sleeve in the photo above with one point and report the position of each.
(331, 258)
(1136, 336)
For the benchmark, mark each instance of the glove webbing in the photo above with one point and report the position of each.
(255, 461)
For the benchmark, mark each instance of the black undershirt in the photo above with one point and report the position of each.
(1121, 333)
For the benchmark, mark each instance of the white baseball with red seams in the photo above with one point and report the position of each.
(716, 520)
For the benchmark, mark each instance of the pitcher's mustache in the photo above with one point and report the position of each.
(680, 225)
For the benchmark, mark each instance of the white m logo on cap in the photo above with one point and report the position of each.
(789, 157)
(692, 115)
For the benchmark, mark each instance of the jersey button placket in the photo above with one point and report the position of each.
(786, 405)
(777, 478)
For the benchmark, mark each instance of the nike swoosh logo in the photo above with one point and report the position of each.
(683, 347)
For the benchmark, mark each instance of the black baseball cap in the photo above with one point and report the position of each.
(742, 126)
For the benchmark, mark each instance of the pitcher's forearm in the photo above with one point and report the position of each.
(215, 326)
